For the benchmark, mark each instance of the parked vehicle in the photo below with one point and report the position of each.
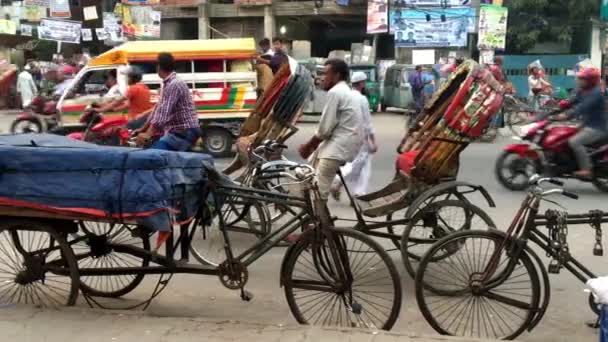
(40, 116)
(397, 90)
(219, 72)
(546, 151)
(372, 87)
(319, 95)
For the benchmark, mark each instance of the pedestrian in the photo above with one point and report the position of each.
(357, 174)
(26, 87)
(279, 57)
(429, 86)
(417, 86)
(174, 118)
(339, 136)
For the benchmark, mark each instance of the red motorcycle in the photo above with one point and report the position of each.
(546, 151)
(38, 117)
(103, 131)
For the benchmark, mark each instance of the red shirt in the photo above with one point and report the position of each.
(139, 99)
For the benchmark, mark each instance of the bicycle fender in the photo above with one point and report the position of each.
(443, 187)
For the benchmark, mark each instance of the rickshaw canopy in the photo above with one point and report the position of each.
(141, 51)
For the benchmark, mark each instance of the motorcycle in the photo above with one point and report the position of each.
(546, 151)
(38, 117)
(103, 131)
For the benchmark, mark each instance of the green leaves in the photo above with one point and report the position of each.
(538, 21)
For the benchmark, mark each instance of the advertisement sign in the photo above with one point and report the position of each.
(43, 3)
(492, 27)
(141, 22)
(112, 26)
(60, 9)
(34, 13)
(411, 28)
(377, 16)
(429, 3)
(8, 26)
(169, 3)
(60, 30)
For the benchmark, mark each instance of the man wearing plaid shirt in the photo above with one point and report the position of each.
(174, 118)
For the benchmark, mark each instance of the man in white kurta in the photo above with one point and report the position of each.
(358, 173)
(26, 87)
(339, 136)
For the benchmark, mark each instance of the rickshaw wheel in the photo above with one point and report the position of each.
(96, 251)
(435, 221)
(38, 266)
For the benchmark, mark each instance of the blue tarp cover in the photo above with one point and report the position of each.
(56, 171)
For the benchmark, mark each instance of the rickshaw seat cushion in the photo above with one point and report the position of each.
(405, 161)
(106, 123)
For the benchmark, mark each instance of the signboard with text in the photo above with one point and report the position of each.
(377, 16)
(492, 27)
(429, 3)
(60, 30)
(411, 28)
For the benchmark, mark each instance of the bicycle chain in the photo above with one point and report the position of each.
(596, 224)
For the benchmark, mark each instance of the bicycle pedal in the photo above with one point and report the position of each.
(246, 295)
(554, 268)
(598, 251)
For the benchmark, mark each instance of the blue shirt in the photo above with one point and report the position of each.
(429, 88)
(590, 108)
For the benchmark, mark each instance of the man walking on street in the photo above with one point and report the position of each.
(339, 136)
(175, 116)
(417, 84)
(357, 174)
(26, 87)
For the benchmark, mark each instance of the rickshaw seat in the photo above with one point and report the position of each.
(107, 123)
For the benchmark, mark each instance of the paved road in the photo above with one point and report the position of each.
(204, 297)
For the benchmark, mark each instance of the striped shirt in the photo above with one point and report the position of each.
(175, 109)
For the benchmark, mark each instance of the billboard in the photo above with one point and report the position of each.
(492, 27)
(429, 3)
(60, 30)
(411, 28)
(377, 16)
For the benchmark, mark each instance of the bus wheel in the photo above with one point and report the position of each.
(217, 142)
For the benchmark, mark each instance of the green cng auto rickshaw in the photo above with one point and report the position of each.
(371, 86)
(397, 90)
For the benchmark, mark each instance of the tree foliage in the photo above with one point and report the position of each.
(537, 21)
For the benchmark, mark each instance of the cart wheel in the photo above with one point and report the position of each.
(435, 221)
(455, 300)
(317, 295)
(94, 249)
(398, 229)
(37, 266)
(244, 230)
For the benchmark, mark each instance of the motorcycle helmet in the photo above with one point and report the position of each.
(591, 74)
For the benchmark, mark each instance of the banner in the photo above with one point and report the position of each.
(60, 30)
(8, 26)
(60, 9)
(491, 2)
(112, 27)
(399, 4)
(377, 16)
(42, 3)
(174, 3)
(26, 30)
(34, 13)
(492, 27)
(140, 22)
(411, 28)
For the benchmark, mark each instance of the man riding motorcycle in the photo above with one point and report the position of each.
(589, 106)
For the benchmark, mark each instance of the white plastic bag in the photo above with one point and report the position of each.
(599, 288)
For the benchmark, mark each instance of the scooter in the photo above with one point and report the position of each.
(38, 117)
(545, 150)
